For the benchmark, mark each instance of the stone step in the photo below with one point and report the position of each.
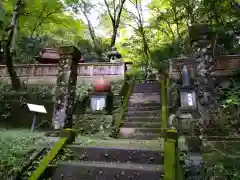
(107, 171)
(144, 94)
(155, 113)
(145, 104)
(142, 119)
(146, 90)
(116, 154)
(145, 97)
(143, 108)
(151, 81)
(140, 130)
(138, 135)
(49, 172)
(147, 87)
(126, 143)
(141, 124)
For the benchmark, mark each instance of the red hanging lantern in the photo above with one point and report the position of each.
(102, 85)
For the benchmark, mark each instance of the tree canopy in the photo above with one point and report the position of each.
(146, 32)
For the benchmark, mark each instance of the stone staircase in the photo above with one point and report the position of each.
(142, 119)
(141, 127)
(111, 163)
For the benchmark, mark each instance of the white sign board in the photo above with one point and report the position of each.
(36, 108)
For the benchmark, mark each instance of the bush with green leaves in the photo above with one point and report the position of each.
(223, 157)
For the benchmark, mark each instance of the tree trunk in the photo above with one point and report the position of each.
(90, 28)
(16, 85)
(93, 36)
(114, 36)
(146, 49)
(15, 81)
(115, 18)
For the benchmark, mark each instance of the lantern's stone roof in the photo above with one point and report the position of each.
(114, 52)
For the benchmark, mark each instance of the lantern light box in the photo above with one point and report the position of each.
(98, 102)
(188, 98)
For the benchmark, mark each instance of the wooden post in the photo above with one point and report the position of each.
(66, 85)
(170, 155)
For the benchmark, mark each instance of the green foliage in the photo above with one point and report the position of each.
(41, 23)
(45, 23)
(31, 92)
(223, 157)
(82, 92)
(52, 23)
(224, 161)
(34, 94)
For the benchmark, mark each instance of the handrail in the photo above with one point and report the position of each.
(24, 168)
(124, 89)
(173, 169)
(118, 122)
(170, 159)
(164, 105)
(66, 136)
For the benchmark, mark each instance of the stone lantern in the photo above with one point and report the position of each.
(187, 92)
(114, 56)
(151, 75)
(101, 100)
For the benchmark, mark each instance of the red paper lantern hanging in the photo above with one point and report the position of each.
(102, 85)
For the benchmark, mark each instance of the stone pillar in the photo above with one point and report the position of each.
(202, 38)
(192, 122)
(65, 88)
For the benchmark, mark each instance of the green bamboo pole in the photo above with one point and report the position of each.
(170, 155)
(118, 122)
(164, 106)
(167, 95)
(66, 136)
(47, 159)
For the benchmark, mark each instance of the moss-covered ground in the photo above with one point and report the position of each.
(16, 146)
